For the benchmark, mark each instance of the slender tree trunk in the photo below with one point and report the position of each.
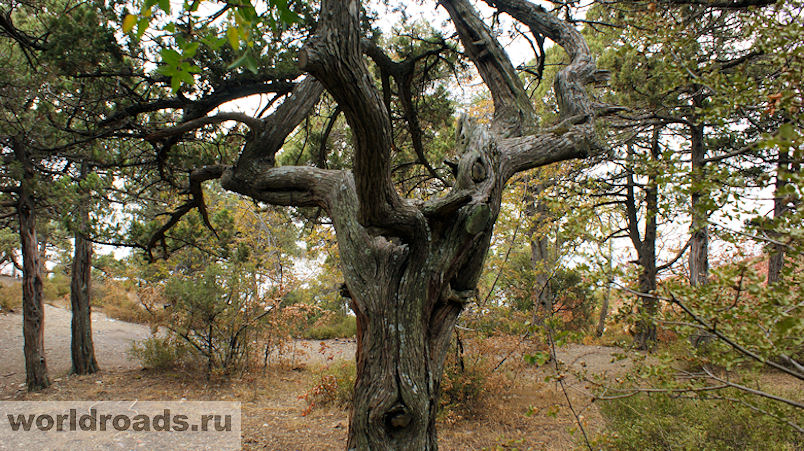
(33, 313)
(699, 228)
(777, 253)
(645, 336)
(604, 308)
(83, 350)
(541, 259)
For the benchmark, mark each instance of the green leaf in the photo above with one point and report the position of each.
(168, 71)
(786, 132)
(170, 56)
(190, 50)
(247, 61)
(142, 25)
(234, 37)
(164, 5)
(237, 63)
(539, 358)
(786, 324)
(251, 64)
(175, 84)
(186, 77)
(129, 22)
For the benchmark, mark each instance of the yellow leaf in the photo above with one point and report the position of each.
(234, 37)
(128, 22)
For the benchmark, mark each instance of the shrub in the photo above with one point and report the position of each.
(160, 353)
(217, 312)
(118, 303)
(464, 385)
(332, 326)
(10, 297)
(656, 422)
(332, 386)
(56, 286)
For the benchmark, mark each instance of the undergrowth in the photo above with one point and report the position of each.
(662, 422)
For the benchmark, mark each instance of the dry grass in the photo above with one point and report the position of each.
(273, 408)
(115, 301)
(10, 296)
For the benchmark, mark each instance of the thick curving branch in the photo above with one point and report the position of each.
(570, 80)
(403, 72)
(335, 58)
(260, 150)
(254, 174)
(194, 124)
(513, 112)
(295, 186)
(570, 140)
(574, 136)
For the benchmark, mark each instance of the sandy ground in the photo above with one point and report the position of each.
(275, 416)
(112, 340)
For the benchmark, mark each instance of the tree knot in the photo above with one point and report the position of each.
(397, 418)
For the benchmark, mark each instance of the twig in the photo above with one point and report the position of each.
(753, 391)
(561, 383)
(717, 333)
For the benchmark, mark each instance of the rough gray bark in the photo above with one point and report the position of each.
(645, 334)
(410, 266)
(33, 313)
(780, 206)
(542, 260)
(82, 348)
(699, 229)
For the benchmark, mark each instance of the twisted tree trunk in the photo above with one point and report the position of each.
(82, 348)
(33, 313)
(410, 266)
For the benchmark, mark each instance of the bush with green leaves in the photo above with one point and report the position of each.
(330, 326)
(218, 312)
(160, 353)
(664, 422)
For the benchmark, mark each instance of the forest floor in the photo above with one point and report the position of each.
(521, 410)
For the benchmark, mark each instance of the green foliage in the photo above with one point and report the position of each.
(332, 326)
(242, 28)
(10, 297)
(660, 422)
(56, 286)
(333, 386)
(217, 312)
(160, 353)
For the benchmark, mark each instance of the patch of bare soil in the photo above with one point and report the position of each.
(522, 410)
(112, 340)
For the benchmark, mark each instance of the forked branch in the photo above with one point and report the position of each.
(335, 58)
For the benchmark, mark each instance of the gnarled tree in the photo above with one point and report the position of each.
(410, 265)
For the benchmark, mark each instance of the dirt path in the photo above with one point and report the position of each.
(112, 340)
(528, 414)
